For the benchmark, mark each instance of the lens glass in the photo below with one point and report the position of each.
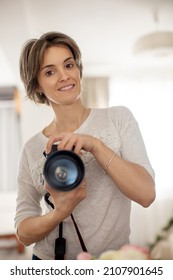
(65, 171)
(61, 173)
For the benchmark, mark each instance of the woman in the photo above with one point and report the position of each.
(117, 168)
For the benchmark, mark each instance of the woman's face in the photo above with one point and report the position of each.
(59, 76)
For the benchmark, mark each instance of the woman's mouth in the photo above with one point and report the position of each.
(66, 88)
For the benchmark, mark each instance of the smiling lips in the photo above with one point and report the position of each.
(65, 88)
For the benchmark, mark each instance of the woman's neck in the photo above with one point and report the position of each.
(70, 119)
(67, 118)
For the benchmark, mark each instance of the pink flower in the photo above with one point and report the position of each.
(126, 252)
(135, 252)
(144, 250)
(84, 256)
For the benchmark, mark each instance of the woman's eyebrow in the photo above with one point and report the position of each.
(51, 65)
(71, 57)
(47, 66)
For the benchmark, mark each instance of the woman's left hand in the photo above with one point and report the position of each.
(72, 141)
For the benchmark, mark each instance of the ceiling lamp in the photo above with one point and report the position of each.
(156, 44)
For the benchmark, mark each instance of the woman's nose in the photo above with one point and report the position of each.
(63, 75)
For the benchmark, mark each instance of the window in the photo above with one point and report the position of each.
(10, 137)
(151, 104)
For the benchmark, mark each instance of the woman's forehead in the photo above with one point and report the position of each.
(58, 53)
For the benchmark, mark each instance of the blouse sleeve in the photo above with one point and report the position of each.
(132, 145)
(28, 198)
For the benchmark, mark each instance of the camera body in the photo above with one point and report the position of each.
(63, 170)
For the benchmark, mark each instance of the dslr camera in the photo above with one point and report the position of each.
(63, 170)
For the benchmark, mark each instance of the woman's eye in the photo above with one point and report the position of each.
(49, 73)
(69, 65)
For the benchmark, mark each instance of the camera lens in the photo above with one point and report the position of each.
(63, 170)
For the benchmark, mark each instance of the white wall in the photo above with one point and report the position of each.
(34, 118)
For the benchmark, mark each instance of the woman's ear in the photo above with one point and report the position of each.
(38, 89)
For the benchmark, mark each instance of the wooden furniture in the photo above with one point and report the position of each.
(8, 239)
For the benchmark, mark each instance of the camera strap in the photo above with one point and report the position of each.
(79, 234)
(60, 242)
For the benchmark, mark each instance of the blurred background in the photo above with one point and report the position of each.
(127, 51)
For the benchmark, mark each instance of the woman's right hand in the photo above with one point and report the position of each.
(34, 229)
(65, 202)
